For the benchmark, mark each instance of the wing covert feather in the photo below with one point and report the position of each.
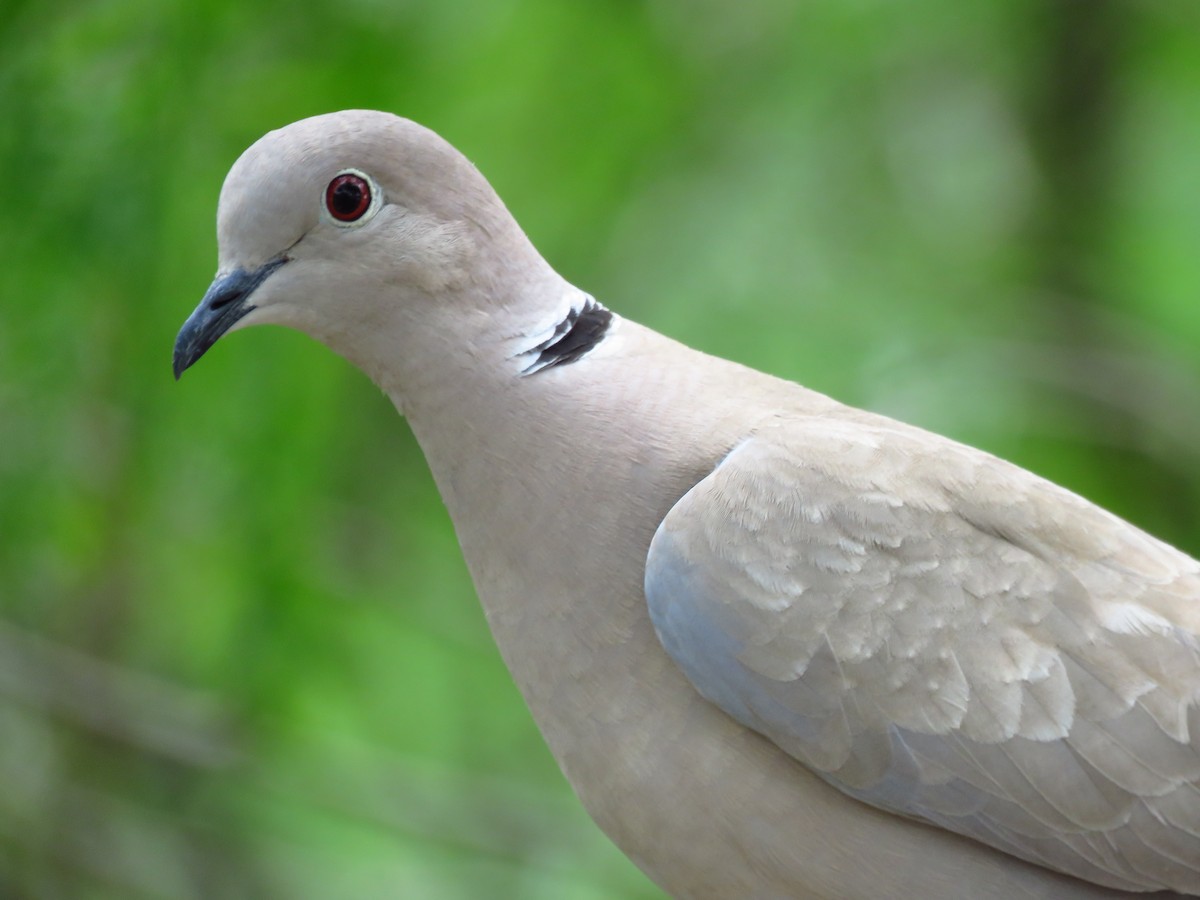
(945, 635)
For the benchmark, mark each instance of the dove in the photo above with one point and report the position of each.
(780, 647)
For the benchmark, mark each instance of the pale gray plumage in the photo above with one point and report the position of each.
(871, 611)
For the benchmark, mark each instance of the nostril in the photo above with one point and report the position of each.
(225, 298)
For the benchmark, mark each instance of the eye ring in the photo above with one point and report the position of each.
(350, 196)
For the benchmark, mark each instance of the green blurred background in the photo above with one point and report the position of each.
(239, 652)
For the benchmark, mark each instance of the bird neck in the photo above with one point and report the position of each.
(556, 482)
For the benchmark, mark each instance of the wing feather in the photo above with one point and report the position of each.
(947, 636)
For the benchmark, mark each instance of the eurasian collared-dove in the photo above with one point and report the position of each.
(780, 647)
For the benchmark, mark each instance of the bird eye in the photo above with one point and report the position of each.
(348, 197)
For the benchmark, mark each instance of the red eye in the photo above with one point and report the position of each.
(348, 197)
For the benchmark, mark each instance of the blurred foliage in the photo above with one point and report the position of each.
(239, 653)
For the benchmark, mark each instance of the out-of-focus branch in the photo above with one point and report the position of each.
(154, 715)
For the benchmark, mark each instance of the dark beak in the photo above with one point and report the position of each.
(227, 300)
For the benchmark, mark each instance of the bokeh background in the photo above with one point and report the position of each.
(239, 653)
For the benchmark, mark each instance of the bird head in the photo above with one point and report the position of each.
(365, 231)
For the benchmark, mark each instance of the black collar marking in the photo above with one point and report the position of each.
(574, 336)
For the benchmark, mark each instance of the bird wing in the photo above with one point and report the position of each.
(945, 635)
